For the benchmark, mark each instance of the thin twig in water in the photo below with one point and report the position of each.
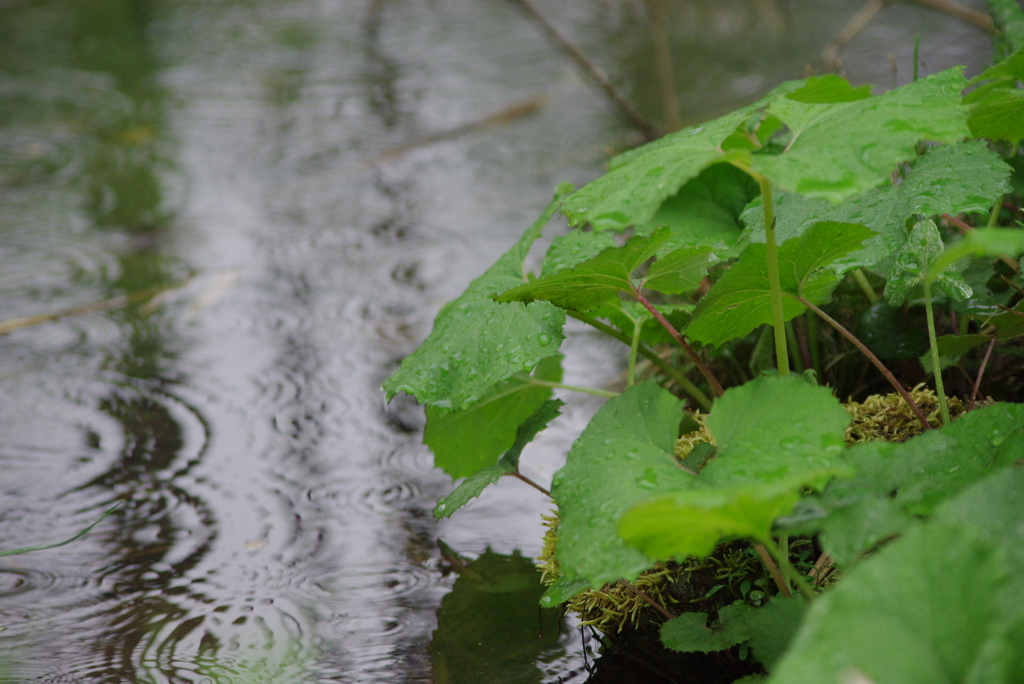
(981, 371)
(649, 130)
(862, 18)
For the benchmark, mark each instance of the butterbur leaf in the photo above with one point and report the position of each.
(689, 633)
(741, 299)
(948, 179)
(894, 482)
(593, 282)
(772, 429)
(573, 248)
(828, 156)
(999, 116)
(990, 242)
(477, 343)
(693, 522)
(680, 271)
(829, 88)
(925, 609)
(706, 211)
(624, 456)
(914, 264)
(506, 465)
(465, 442)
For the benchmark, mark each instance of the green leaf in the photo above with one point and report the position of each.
(1009, 19)
(680, 271)
(693, 522)
(1009, 324)
(625, 314)
(990, 242)
(887, 332)
(489, 628)
(999, 115)
(775, 436)
(949, 179)
(477, 343)
(772, 429)
(924, 610)
(706, 210)
(829, 88)
(573, 248)
(741, 299)
(958, 345)
(773, 627)
(895, 482)
(593, 282)
(914, 263)
(688, 633)
(624, 456)
(562, 590)
(508, 464)
(843, 149)
(466, 442)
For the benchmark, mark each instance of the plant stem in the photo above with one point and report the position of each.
(633, 347)
(993, 218)
(520, 476)
(784, 548)
(773, 569)
(651, 602)
(794, 346)
(663, 365)
(981, 372)
(874, 359)
(802, 584)
(704, 370)
(774, 281)
(812, 334)
(575, 388)
(865, 286)
(933, 342)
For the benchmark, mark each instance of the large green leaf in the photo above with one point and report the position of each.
(895, 482)
(476, 342)
(508, 464)
(573, 248)
(775, 436)
(706, 211)
(624, 456)
(839, 150)
(915, 264)
(590, 284)
(949, 179)
(773, 428)
(999, 115)
(465, 442)
(926, 609)
(741, 299)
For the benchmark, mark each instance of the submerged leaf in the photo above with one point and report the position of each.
(465, 442)
(477, 343)
(624, 456)
(741, 299)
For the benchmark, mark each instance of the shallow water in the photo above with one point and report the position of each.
(231, 155)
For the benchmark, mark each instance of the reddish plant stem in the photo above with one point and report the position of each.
(964, 228)
(874, 359)
(530, 482)
(981, 371)
(704, 370)
(654, 604)
(769, 563)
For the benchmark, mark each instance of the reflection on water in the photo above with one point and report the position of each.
(277, 524)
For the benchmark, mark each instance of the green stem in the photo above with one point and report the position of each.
(774, 280)
(794, 346)
(663, 365)
(704, 370)
(633, 348)
(783, 560)
(28, 549)
(993, 218)
(575, 388)
(812, 334)
(933, 341)
(865, 286)
(784, 549)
